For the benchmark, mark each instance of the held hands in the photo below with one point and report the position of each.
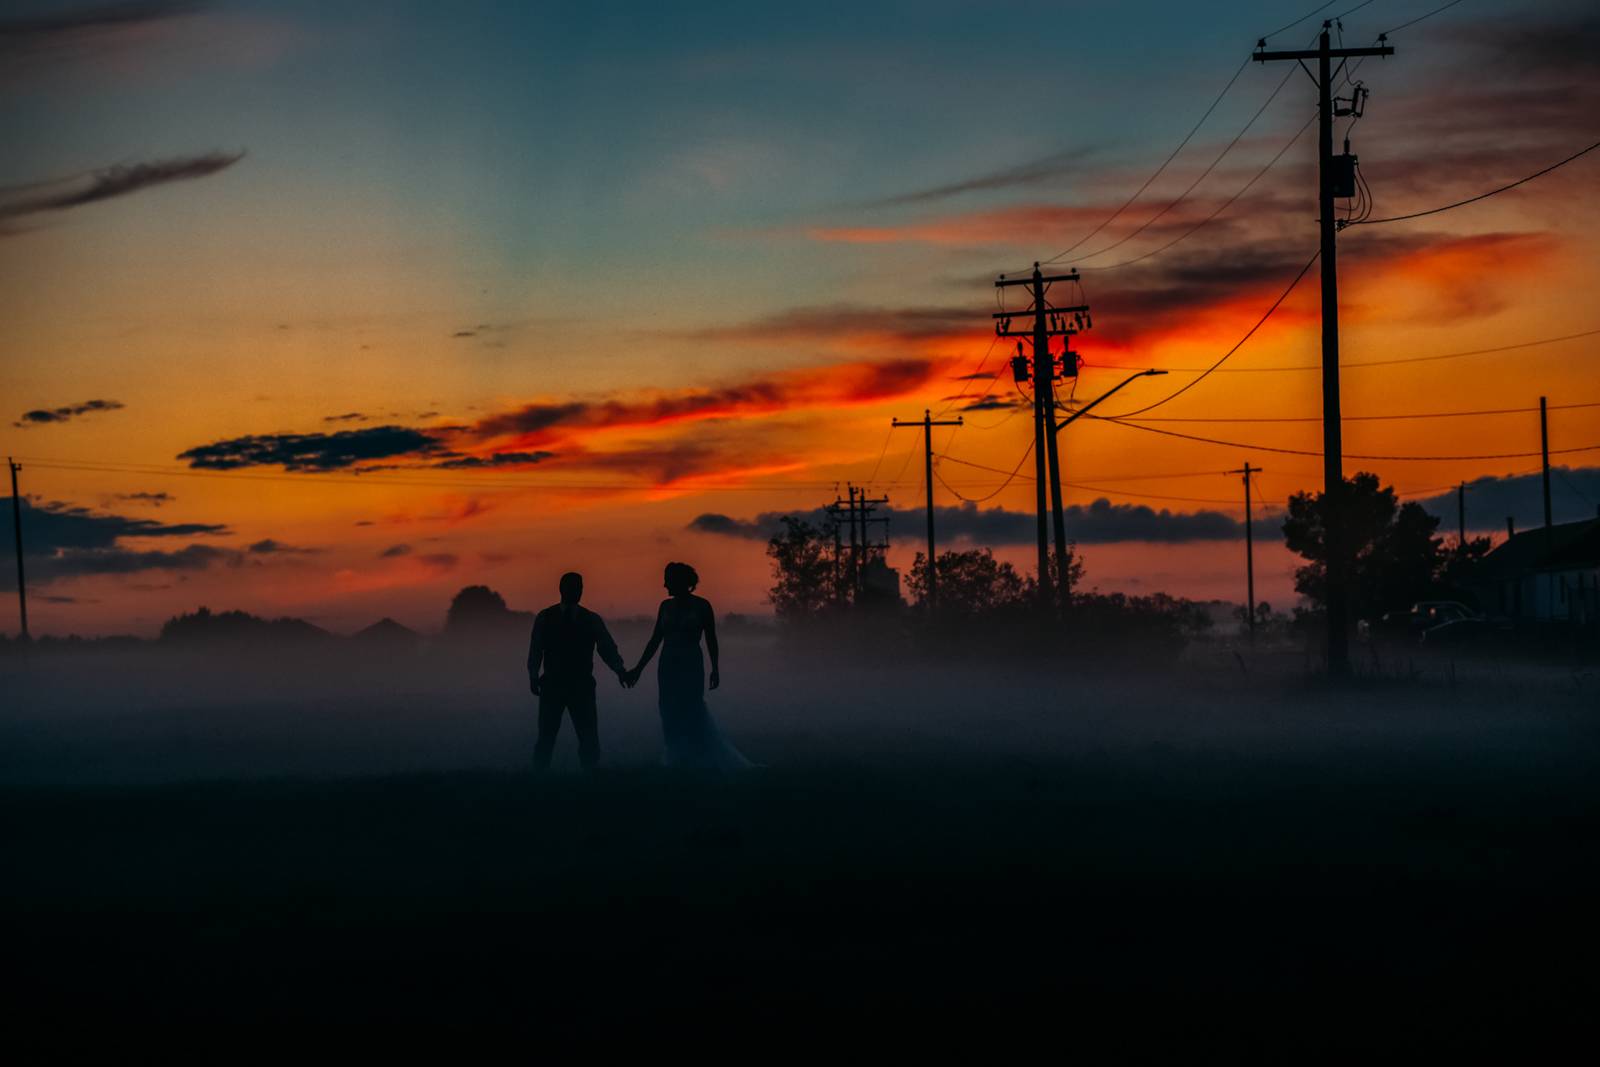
(629, 679)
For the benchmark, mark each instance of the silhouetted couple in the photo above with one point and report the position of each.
(561, 654)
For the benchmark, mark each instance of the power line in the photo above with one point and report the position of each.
(1347, 455)
(1480, 196)
(1316, 10)
(886, 439)
(1351, 10)
(973, 376)
(1147, 496)
(1562, 474)
(1225, 205)
(1098, 478)
(1010, 477)
(1376, 418)
(1202, 176)
(1238, 345)
(1101, 489)
(1364, 363)
(1109, 219)
(1420, 18)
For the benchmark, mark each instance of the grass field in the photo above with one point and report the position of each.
(1193, 853)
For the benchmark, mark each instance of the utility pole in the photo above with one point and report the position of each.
(855, 547)
(1461, 515)
(856, 509)
(1048, 322)
(927, 425)
(1249, 552)
(1544, 452)
(838, 551)
(16, 529)
(1335, 178)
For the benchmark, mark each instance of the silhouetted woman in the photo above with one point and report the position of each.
(692, 738)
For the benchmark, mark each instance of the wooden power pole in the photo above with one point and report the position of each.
(16, 529)
(1249, 552)
(927, 422)
(1544, 453)
(1335, 178)
(1047, 322)
(857, 511)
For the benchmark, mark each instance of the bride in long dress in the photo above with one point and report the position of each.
(691, 735)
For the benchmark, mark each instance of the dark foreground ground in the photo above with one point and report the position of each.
(1373, 890)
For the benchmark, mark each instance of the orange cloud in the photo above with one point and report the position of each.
(838, 385)
(1449, 276)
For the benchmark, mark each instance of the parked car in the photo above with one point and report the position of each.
(1466, 631)
(1424, 616)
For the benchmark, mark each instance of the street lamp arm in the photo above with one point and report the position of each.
(1081, 412)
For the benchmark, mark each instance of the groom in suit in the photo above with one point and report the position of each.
(561, 671)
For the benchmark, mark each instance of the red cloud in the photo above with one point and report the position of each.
(844, 384)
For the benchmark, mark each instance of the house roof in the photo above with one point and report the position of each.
(1567, 544)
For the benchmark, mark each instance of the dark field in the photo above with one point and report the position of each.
(1191, 857)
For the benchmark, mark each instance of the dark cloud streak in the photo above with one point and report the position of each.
(43, 416)
(117, 181)
(62, 541)
(312, 451)
(1100, 522)
(1042, 171)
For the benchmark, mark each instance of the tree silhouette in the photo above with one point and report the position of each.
(972, 583)
(204, 625)
(1396, 557)
(803, 578)
(476, 606)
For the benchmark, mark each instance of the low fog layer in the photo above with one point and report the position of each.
(155, 714)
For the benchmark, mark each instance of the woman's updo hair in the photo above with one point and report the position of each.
(681, 578)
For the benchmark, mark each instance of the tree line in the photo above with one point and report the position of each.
(1398, 559)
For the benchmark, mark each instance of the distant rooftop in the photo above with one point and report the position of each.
(1566, 544)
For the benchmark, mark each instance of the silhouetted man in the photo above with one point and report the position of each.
(565, 639)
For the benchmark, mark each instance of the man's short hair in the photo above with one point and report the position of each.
(571, 584)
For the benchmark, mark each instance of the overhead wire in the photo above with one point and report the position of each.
(1356, 363)
(1226, 355)
(1109, 219)
(1218, 211)
(1481, 196)
(1562, 474)
(1347, 455)
(887, 438)
(1314, 11)
(1421, 18)
(1204, 174)
(1372, 418)
(1010, 477)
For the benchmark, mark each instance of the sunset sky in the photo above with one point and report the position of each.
(330, 310)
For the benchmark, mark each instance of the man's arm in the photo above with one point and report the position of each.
(606, 647)
(536, 653)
